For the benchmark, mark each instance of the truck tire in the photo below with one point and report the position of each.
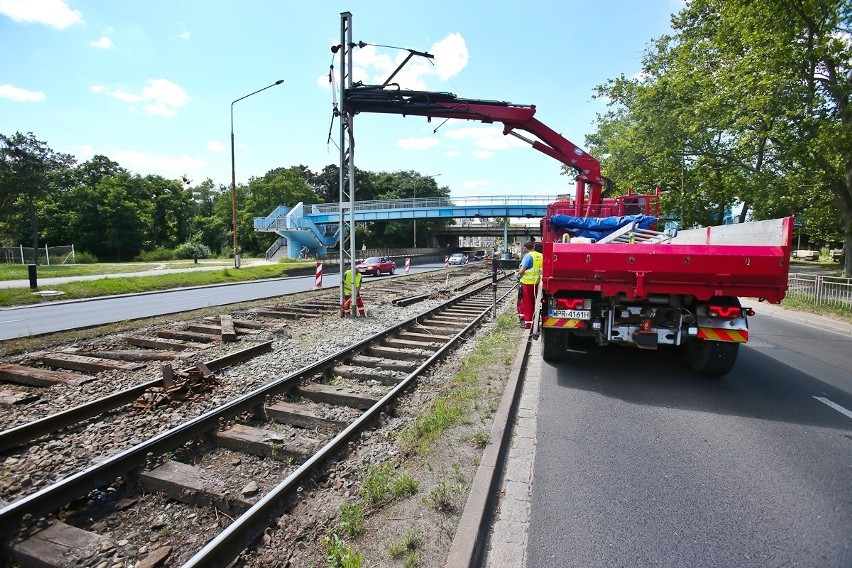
(711, 357)
(554, 344)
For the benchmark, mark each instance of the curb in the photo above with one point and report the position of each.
(475, 523)
(815, 321)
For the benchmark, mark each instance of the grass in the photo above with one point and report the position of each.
(111, 286)
(350, 521)
(406, 547)
(21, 271)
(339, 554)
(453, 408)
(383, 484)
(804, 305)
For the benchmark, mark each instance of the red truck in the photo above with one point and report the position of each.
(630, 284)
(625, 283)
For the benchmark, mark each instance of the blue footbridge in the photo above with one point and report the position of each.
(317, 226)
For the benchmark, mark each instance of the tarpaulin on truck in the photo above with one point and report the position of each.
(598, 227)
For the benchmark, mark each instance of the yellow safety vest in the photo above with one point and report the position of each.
(533, 275)
(347, 282)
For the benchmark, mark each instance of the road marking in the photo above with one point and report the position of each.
(186, 298)
(835, 406)
(10, 321)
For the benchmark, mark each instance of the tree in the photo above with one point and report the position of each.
(29, 170)
(749, 101)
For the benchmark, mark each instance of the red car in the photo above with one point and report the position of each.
(376, 265)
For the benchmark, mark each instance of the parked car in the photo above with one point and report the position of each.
(479, 255)
(457, 258)
(376, 265)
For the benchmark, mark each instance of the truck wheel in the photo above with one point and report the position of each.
(711, 357)
(554, 344)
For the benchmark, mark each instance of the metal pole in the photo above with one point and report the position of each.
(234, 173)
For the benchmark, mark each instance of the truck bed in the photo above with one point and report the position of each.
(746, 260)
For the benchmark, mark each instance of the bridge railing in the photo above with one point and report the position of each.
(424, 202)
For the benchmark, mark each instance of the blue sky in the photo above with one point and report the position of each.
(150, 83)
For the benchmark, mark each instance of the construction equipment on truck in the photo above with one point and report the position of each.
(608, 275)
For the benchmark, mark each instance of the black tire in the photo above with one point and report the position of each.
(378, 272)
(392, 271)
(554, 344)
(712, 358)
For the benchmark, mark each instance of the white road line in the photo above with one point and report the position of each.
(10, 321)
(835, 406)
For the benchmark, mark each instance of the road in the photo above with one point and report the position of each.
(639, 462)
(57, 316)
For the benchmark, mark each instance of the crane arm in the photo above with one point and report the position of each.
(380, 99)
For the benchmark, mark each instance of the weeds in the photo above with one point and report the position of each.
(442, 497)
(406, 546)
(383, 485)
(339, 554)
(351, 519)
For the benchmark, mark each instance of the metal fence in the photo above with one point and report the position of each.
(821, 290)
(63, 254)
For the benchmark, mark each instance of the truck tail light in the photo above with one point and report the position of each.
(646, 325)
(569, 303)
(727, 312)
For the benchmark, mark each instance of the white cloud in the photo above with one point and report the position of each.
(215, 146)
(423, 143)
(54, 13)
(166, 97)
(452, 154)
(103, 43)
(372, 65)
(482, 154)
(162, 165)
(184, 34)
(20, 95)
(485, 137)
(450, 56)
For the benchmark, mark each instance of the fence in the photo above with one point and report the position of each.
(822, 290)
(63, 254)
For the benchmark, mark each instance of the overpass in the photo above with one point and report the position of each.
(317, 226)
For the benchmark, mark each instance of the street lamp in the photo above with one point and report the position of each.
(415, 198)
(234, 172)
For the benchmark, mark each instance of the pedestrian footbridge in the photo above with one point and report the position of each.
(317, 226)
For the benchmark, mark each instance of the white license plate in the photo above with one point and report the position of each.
(572, 314)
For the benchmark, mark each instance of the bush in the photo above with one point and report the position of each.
(81, 257)
(156, 255)
(192, 250)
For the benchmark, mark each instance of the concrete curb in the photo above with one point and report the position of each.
(471, 536)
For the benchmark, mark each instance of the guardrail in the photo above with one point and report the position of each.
(822, 290)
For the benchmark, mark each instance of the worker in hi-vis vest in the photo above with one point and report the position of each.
(529, 275)
(347, 294)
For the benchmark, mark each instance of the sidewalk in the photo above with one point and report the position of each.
(44, 282)
(805, 318)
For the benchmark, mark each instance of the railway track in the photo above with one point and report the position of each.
(296, 422)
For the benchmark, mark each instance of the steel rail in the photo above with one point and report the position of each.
(247, 527)
(77, 485)
(20, 435)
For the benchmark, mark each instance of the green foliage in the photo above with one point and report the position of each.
(745, 104)
(339, 554)
(155, 255)
(351, 519)
(443, 495)
(192, 249)
(383, 484)
(82, 257)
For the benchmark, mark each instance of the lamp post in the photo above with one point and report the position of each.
(234, 172)
(415, 198)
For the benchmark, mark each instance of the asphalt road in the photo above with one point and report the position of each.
(57, 316)
(639, 462)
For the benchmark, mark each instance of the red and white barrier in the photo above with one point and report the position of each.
(407, 265)
(446, 261)
(319, 275)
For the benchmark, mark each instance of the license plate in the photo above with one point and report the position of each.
(572, 314)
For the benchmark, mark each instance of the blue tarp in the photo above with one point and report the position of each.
(597, 227)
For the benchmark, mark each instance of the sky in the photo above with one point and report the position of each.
(150, 84)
